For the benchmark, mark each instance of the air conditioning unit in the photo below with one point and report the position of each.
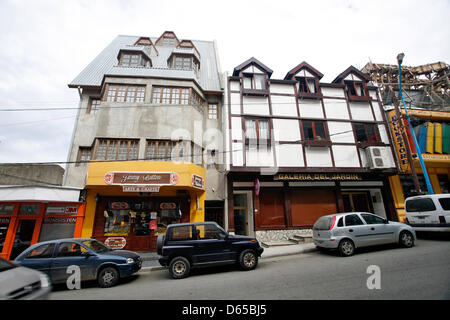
(378, 158)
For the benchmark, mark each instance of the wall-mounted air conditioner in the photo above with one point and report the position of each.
(379, 158)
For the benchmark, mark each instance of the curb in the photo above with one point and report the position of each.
(272, 255)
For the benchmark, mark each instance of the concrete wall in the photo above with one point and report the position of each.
(148, 121)
(31, 174)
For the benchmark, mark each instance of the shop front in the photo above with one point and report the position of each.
(278, 206)
(432, 130)
(129, 205)
(34, 214)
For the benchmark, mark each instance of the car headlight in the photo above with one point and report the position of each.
(45, 281)
(130, 260)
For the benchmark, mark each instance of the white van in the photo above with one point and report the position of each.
(428, 212)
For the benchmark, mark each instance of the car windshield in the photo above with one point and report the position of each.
(96, 246)
(6, 265)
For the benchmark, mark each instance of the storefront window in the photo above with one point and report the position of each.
(57, 228)
(6, 209)
(117, 222)
(169, 213)
(408, 185)
(444, 183)
(4, 224)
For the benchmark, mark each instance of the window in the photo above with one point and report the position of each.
(180, 233)
(117, 221)
(132, 60)
(213, 159)
(307, 85)
(115, 149)
(168, 150)
(257, 130)
(372, 219)
(444, 183)
(42, 252)
(168, 41)
(212, 111)
(254, 81)
(94, 104)
(418, 205)
(314, 130)
(366, 132)
(125, 93)
(84, 155)
(353, 220)
(356, 90)
(208, 231)
(171, 95)
(70, 249)
(445, 203)
(408, 186)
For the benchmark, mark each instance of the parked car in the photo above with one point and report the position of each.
(22, 283)
(428, 212)
(351, 230)
(191, 245)
(96, 260)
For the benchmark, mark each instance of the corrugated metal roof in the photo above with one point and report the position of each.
(106, 64)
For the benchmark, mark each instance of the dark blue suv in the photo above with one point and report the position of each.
(95, 260)
(190, 245)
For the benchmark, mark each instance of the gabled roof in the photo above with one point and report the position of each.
(303, 65)
(249, 62)
(171, 34)
(348, 71)
(106, 64)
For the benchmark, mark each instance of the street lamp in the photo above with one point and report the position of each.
(400, 57)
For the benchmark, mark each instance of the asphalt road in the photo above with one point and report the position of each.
(421, 272)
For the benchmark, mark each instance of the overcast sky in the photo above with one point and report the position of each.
(46, 43)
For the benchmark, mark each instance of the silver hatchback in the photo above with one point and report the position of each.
(351, 230)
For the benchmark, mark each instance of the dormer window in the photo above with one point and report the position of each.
(356, 90)
(307, 85)
(128, 59)
(167, 39)
(307, 79)
(184, 62)
(254, 82)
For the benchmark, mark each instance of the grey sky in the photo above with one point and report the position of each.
(46, 43)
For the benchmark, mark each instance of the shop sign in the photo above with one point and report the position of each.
(197, 181)
(142, 178)
(61, 210)
(4, 220)
(52, 220)
(168, 206)
(399, 142)
(317, 176)
(116, 242)
(119, 205)
(140, 188)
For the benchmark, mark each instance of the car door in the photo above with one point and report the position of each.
(40, 258)
(71, 254)
(211, 244)
(357, 230)
(381, 231)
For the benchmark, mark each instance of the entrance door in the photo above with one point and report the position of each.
(356, 202)
(243, 213)
(23, 236)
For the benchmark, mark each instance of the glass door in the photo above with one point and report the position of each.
(23, 236)
(356, 202)
(243, 213)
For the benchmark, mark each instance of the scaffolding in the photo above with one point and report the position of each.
(429, 83)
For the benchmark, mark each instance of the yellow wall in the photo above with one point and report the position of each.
(97, 186)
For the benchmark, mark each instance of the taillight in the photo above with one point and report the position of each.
(334, 221)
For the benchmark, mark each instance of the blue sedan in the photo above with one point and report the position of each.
(95, 261)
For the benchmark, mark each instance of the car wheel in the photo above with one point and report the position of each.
(346, 248)
(248, 259)
(108, 277)
(179, 267)
(406, 239)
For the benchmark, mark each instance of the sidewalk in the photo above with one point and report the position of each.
(150, 259)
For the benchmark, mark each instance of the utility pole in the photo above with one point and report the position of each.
(406, 142)
(400, 57)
